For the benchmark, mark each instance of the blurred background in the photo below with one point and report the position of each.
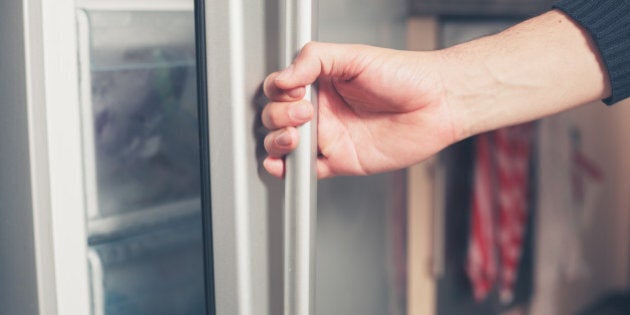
(562, 247)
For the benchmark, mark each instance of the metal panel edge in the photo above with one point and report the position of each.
(204, 148)
(233, 55)
(19, 292)
(64, 156)
(224, 236)
(41, 76)
(38, 151)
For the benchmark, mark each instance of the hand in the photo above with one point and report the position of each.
(383, 109)
(379, 109)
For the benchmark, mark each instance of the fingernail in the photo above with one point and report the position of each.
(284, 139)
(285, 74)
(300, 111)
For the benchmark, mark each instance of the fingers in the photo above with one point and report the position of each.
(277, 94)
(323, 169)
(315, 59)
(277, 115)
(280, 142)
(286, 90)
(276, 167)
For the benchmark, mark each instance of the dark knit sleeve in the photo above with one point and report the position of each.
(608, 22)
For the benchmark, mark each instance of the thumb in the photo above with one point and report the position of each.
(317, 59)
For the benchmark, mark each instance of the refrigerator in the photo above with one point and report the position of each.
(130, 174)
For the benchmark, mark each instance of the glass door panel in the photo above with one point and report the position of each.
(141, 148)
(144, 107)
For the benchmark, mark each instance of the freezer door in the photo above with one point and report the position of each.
(102, 211)
(107, 207)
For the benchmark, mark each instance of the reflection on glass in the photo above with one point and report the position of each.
(144, 107)
(146, 137)
(145, 231)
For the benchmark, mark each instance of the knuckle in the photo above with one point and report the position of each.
(273, 122)
(309, 49)
(268, 143)
(270, 117)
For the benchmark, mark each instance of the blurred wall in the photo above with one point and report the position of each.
(372, 22)
(604, 239)
(604, 233)
(353, 264)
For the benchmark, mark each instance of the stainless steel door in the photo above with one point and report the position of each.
(355, 274)
(235, 34)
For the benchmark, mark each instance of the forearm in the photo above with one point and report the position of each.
(540, 67)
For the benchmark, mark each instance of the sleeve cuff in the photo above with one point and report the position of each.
(608, 22)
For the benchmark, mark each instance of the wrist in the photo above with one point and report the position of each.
(467, 87)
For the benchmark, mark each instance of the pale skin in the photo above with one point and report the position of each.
(382, 109)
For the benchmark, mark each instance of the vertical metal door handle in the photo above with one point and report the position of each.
(301, 176)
